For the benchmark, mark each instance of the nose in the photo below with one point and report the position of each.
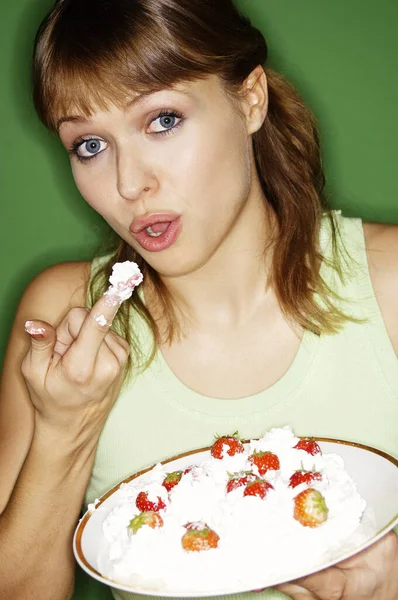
(134, 175)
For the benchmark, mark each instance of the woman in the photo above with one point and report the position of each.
(257, 307)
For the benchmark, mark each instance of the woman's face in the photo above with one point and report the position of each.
(172, 173)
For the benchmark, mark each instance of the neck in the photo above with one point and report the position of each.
(230, 287)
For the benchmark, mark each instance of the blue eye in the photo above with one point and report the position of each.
(87, 149)
(166, 121)
(92, 146)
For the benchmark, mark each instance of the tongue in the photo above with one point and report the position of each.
(160, 227)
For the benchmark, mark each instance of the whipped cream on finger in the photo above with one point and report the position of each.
(101, 320)
(126, 276)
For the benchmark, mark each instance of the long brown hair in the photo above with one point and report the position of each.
(91, 53)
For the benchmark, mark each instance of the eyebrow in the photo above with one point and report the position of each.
(80, 119)
(140, 98)
(70, 119)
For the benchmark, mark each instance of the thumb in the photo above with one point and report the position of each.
(42, 337)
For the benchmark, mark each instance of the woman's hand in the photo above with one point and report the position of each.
(369, 575)
(74, 373)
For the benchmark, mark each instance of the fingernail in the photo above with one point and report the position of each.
(36, 336)
(34, 331)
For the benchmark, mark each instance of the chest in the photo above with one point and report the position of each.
(236, 362)
(343, 386)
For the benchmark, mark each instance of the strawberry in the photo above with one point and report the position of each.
(149, 517)
(199, 537)
(172, 479)
(310, 508)
(195, 472)
(258, 487)
(309, 445)
(302, 476)
(264, 461)
(232, 442)
(237, 480)
(144, 504)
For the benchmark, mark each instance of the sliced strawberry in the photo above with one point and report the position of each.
(149, 517)
(310, 508)
(237, 480)
(302, 476)
(144, 504)
(229, 444)
(309, 445)
(172, 479)
(258, 487)
(199, 537)
(264, 461)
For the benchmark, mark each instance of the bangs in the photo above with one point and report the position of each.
(79, 70)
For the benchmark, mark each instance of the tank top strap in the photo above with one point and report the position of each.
(346, 269)
(361, 301)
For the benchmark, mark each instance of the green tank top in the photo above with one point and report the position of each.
(340, 386)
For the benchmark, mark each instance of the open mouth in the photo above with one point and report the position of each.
(156, 232)
(157, 229)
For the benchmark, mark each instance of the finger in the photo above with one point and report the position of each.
(42, 340)
(322, 585)
(124, 279)
(296, 592)
(118, 346)
(109, 366)
(94, 329)
(69, 329)
(331, 580)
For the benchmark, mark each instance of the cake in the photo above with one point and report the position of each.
(232, 519)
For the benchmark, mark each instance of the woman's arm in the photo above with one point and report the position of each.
(49, 297)
(50, 422)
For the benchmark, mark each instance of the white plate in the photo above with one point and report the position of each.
(374, 472)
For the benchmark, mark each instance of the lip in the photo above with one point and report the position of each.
(163, 241)
(145, 221)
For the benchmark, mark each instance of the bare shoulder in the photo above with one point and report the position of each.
(55, 290)
(381, 236)
(382, 250)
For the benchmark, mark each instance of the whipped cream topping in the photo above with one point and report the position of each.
(258, 537)
(125, 277)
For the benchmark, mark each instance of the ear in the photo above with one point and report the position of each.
(254, 92)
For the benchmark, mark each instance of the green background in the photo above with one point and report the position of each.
(341, 54)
